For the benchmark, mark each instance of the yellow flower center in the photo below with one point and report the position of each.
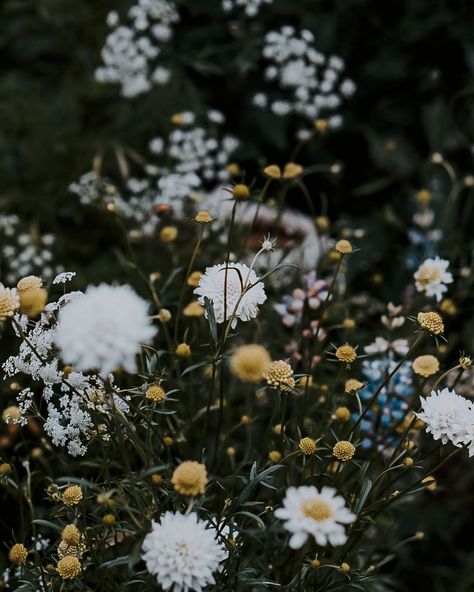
(316, 509)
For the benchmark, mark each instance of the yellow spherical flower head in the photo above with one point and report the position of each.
(72, 495)
(344, 247)
(155, 393)
(67, 550)
(5, 468)
(248, 362)
(465, 362)
(9, 302)
(233, 169)
(18, 554)
(352, 386)
(430, 483)
(425, 365)
(164, 316)
(71, 535)
(273, 171)
(203, 217)
(240, 192)
(343, 450)
(274, 456)
(342, 414)
(321, 125)
(69, 567)
(292, 170)
(279, 374)
(183, 350)
(190, 478)
(448, 306)
(33, 297)
(193, 279)
(168, 234)
(423, 197)
(307, 446)
(431, 322)
(346, 353)
(193, 309)
(322, 223)
(108, 519)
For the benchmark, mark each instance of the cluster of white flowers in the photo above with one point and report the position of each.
(130, 52)
(71, 398)
(235, 291)
(183, 552)
(103, 329)
(321, 514)
(312, 85)
(432, 276)
(24, 252)
(250, 7)
(449, 417)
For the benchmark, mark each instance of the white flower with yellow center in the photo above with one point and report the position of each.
(235, 291)
(320, 514)
(183, 553)
(432, 277)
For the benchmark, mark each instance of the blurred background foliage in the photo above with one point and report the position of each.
(413, 63)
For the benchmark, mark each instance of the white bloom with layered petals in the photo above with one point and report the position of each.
(235, 292)
(103, 329)
(432, 277)
(183, 553)
(320, 514)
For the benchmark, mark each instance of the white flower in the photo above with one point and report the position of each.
(431, 277)
(381, 345)
(182, 553)
(449, 417)
(235, 291)
(64, 277)
(103, 329)
(321, 514)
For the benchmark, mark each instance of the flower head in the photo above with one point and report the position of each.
(425, 365)
(69, 567)
(248, 362)
(183, 553)
(71, 535)
(346, 353)
(18, 554)
(321, 514)
(279, 374)
(343, 450)
(352, 386)
(273, 171)
(103, 329)
(72, 495)
(9, 302)
(203, 217)
(432, 277)
(190, 478)
(235, 291)
(344, 247)
(431, 322)
(307, 446)
(155, 393)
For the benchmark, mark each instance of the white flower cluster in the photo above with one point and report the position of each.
(432, 276)
(250, 7)
(312, 85)
(183, 552)
(130, 51)
(25, 253)
(72, 399)
(449, 417)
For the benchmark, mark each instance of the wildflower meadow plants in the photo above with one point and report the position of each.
(239, 390)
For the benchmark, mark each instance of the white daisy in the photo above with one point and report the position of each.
(321, 514)
(103, 329)
(431, 277)
(449, 417)
(183, 553)
(235, 291)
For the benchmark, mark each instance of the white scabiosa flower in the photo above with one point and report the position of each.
(321, 514)
(449, 417)
(235, 291)
(183, 553)
(432, 277)
(103, 329)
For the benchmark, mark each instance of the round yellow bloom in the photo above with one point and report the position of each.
(108, 519)
(307, 446)
(156, 479)
(273, 171)
(322, 223)
(423, 197)
(321, 125)
(18, 554)
(346, 353)
(344, 247)
(345, 567)
(240, 191)
(342, 413)
(315, 563)
(233, 169)
(203, 217)
(69, 567)
(408, 462)
(30, 282)
(33, 297)
(168, 441)
(72, 495)
(274, 456)
(431, 322)
(193, 309)
(5, 468)
(183, 350)
(292, 170)
(248, 362)
(448, 306)
(193, 279)
(279, 374)
(164, 316)
(425, 365)
(9, 303)
(71, 535)
(155, 393)
(11, 413)
(348, 324)
(343, 450)
(316, 509)
(168, 234)
(190, 478)
(177, 119)
(352, 386)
